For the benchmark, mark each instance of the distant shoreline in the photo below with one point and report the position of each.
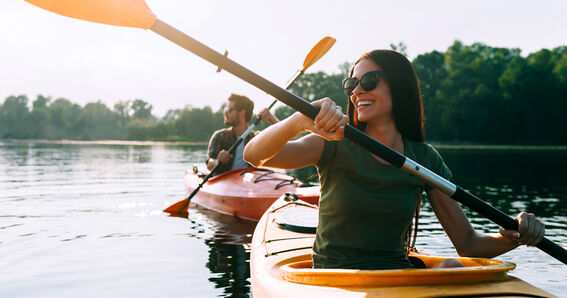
(111, 142)
(445, 147)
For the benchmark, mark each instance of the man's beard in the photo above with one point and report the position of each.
(233, 122)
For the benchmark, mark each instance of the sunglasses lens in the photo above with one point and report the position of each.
(369, 81)
(349, 84)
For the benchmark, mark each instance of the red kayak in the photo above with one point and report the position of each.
(247, 193)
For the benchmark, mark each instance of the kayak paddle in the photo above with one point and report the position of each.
(136, 13)
(321, 48)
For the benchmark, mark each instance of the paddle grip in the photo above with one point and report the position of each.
(505, 221)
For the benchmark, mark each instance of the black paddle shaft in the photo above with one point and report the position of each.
(351, 133)
(231, 151)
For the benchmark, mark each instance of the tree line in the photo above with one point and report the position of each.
(128, 120)
(472, 94)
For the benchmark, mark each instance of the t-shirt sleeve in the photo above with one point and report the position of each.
(437, 164)
(214, 146)
(329, 153)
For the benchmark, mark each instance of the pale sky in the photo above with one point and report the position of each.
(48, 54)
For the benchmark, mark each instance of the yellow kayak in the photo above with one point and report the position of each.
(280, 263)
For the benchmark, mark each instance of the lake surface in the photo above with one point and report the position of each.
(86, 220)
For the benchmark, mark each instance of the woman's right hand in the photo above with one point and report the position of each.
(330, 121)
(275, 147)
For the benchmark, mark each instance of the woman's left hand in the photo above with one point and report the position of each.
(530, 230)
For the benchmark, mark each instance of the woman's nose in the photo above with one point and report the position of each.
(357, 90)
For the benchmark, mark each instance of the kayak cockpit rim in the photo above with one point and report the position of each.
(298, 269)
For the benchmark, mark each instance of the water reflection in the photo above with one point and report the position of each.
(229, 252)
(14, 153)
(507, 167)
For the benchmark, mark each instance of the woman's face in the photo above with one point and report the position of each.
(373, 105)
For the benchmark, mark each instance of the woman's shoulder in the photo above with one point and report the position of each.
(420, 147)
(421, 151)
(426, 155)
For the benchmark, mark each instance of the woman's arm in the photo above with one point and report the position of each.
(470, 243)
(272, 147)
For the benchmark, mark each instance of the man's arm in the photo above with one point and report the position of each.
(223, 157)
(213, 150)
(267, 116)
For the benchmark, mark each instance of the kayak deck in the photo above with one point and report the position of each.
(280, 262)
(246, 193)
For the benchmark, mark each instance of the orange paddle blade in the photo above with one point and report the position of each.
(318, 51)
(180, 207)
(127, 13)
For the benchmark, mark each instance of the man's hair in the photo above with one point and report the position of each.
(242, 102)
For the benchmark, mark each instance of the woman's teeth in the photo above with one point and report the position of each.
(365, 103)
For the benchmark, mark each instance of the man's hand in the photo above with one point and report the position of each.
(266, 116)
(224, 157)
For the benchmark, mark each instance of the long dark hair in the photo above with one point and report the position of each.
(407, 105)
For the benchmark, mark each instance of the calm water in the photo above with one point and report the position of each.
(86, 220)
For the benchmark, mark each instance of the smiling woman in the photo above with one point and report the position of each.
(356, 184)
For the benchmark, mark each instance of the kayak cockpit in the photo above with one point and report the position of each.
(299, 269)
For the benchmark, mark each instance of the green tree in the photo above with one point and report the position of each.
(138, 129)
(534, 88)
(432, 73)
(400, 47)
(37, 121)
(98, 122)
(122, 109)
(159, 131)
(41, 102)
(172, 115)
(141, 109)
(197, 124)
(13, 115)
(474, 109)
(64, 116)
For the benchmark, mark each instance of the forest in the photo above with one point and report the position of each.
(472, 94)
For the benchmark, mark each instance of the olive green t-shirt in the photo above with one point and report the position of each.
(366, 206)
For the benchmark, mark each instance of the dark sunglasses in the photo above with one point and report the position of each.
(368, 81)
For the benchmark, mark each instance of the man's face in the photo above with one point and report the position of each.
(231, 115)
